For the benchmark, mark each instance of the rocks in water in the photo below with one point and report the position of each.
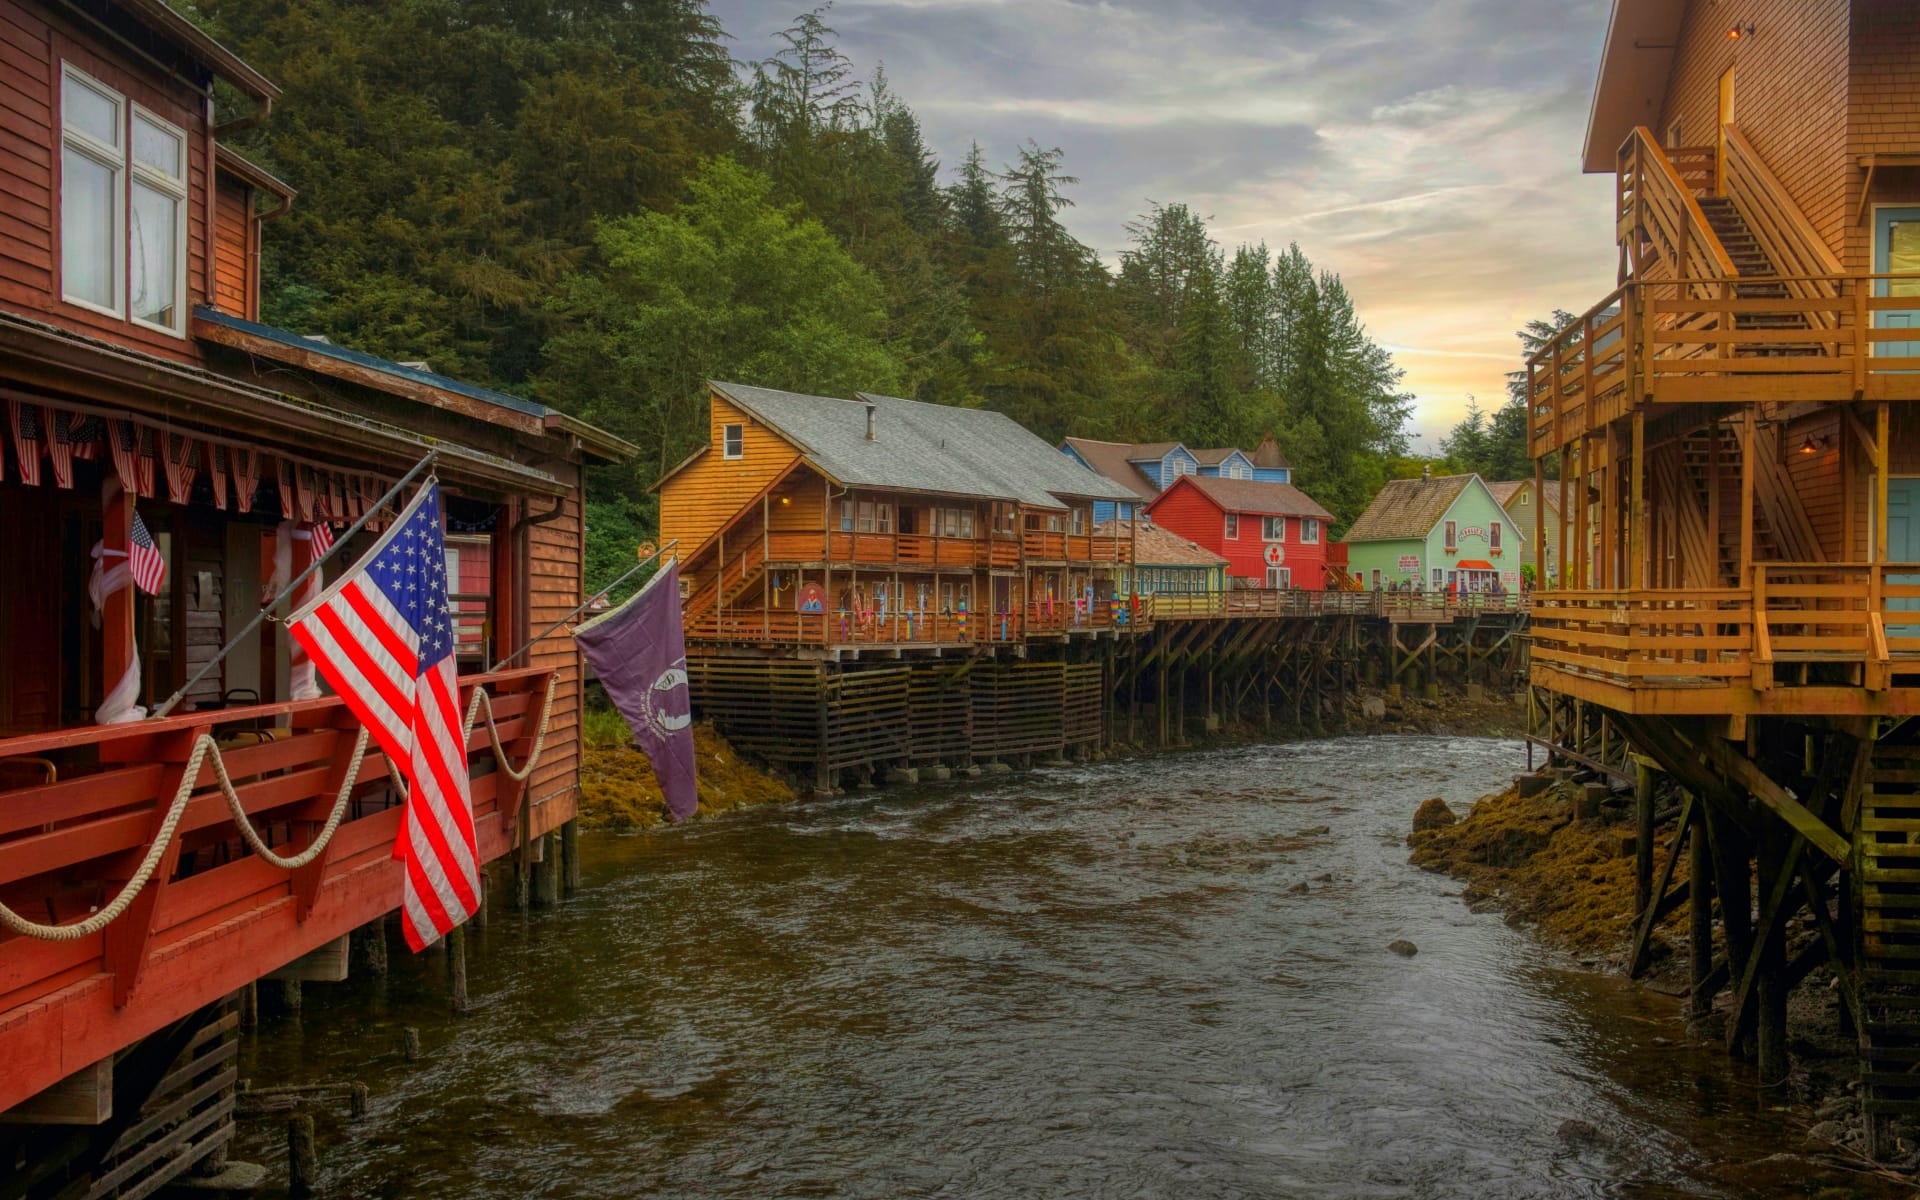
(1532, 785)
(1403, 948)
(1373, 708)
(1433, 814)
(1324, 877)
(1315, 831)
(1828, 1131)
(1298, 889)
(1576, 1132)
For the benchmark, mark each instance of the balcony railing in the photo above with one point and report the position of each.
(1837, 624)
(934, 550)
(1704, 341)
(80, 807)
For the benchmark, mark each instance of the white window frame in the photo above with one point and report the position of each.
(1310, 531)
(1182, 465)
(846, 516)
(1233, 526)
(114, 158)
(174, 189)
(863, 521)
(1493, 535)
(1453, 537)
(1079, 522)
(1280, 578)
(733, 441)
(1273, 529)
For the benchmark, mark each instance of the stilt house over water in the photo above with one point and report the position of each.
(816, 525)
(148, 411)
(1739, 476)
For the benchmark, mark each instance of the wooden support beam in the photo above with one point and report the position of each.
(1636, 955)
(125, 943)
(1742, 770)
(1747, 440)
(325, 964)
(1637, 505)
(82, 1098)
(1775, 908)
(1816, 900)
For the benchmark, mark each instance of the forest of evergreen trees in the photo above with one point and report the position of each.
(591, 203)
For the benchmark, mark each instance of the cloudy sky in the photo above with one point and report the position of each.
(1427, 150)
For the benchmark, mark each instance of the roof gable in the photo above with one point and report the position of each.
(1112, 460)
(1635, 63)
(1253, 496)
(1408, 508)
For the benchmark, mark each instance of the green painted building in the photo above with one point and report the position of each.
(1436, 532)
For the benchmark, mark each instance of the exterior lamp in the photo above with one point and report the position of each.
(1813, 445)
(1736, 32)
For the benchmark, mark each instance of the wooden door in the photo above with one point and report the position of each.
(1720, 132)
(1896, 250)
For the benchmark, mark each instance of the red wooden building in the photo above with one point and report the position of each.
(137, 381)
(1273, 535)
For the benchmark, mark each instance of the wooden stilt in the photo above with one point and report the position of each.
(303, 1160)
(457, 967)
(1643, 837)
(570, 855)
(1700, 920)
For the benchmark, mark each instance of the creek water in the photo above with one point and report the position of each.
(1094, 981)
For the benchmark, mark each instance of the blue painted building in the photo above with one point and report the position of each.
(1149, 468)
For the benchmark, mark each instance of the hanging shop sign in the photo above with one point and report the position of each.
(1276, 554)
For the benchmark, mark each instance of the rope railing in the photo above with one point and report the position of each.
(205, 748)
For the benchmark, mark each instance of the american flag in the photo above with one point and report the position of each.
(322, 533)
(123, 437)
(88, 432)
(59, 445)
(383, 637)
(25, 419)
(143, 558)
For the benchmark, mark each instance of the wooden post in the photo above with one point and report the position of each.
(1881, 422)
(546, 877)
(1643, 840)
(1747, 439)
(1539, 522)
(1715, 577)
(1637, 505)
(1700, 914)
(570, 856)
(303, 1161)
(1610, 511)
(1770, 980)
(457, 967)
(1566, 515)
(1583, 576)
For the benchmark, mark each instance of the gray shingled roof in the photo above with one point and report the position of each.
(922, 447)
(1407, 508)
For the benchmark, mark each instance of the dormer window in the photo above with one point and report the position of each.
(123, 206)
(733, 441)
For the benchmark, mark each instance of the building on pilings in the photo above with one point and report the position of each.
(1738, 458)
(139, 382)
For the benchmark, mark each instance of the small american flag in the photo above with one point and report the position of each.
(60, 445)
(144, 560)
(27, 438)
(123, 438)
(88, 432)
(322, 533)
(383, 637)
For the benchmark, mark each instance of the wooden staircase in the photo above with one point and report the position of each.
(1696, 462)
(1887, 841)
(1751, 261)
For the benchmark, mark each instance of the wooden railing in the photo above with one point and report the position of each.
(934, 550)
(1658, 217)
(1685, 341)
(215, 916)
(1861, 617)
(1775, 220)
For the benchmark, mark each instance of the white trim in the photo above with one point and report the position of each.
(727, 454)
(175, 189)
(106, 154)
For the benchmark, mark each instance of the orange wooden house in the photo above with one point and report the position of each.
(1739, 492)
(137, 381)
(818, 525)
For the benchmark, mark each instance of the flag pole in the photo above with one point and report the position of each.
(166, 705)
(548, 632)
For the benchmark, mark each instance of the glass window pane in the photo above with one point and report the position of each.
(1903, 256)
(86, 229)
(155, 276)
(156, 146)
(83, 108)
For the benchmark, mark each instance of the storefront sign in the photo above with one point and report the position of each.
(1474, 531)
(1276, 554)
(1409, 564)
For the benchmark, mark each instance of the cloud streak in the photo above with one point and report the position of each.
(1427, 150)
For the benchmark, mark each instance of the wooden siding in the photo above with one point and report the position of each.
(235, 251)
(33, 43)
(1883, 115)
(1790, 89)
(1190, 513)
(706, 495)
(555, 565)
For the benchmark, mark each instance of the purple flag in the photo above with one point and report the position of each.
(639, 652)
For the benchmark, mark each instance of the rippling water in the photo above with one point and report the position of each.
(1099, 982)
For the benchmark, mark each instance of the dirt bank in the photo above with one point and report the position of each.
(618, 789)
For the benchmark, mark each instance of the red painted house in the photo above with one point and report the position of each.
(1273, 535)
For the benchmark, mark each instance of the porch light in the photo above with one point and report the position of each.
(785, 500)
(1736, 32)
(1813, 445)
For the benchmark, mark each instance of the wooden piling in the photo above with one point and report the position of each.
(410, 1044)
(250, 1006)
(546, 873)
(457, 967)
(570, 855)
(1643, 837)
(1700, 916)
(370, 940)
(1770, 982)
(303, 1160)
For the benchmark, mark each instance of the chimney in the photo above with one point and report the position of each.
(1426, 469)
(870, 407)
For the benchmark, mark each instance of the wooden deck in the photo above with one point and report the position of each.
(80, 807)
(1832, 638)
